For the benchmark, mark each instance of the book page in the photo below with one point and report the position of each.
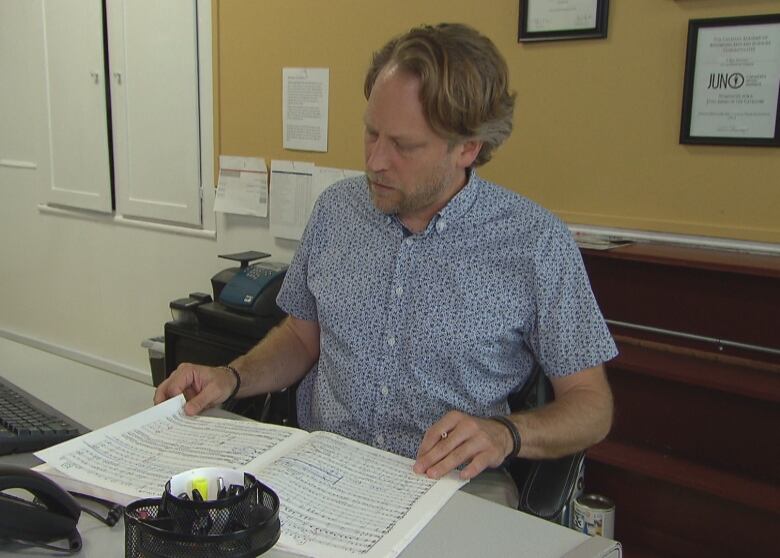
(342, 498)
(338, 498)
(137, 456)
(72, 485)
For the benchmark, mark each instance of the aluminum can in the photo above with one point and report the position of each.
(594, 514)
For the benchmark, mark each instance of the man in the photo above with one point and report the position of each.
(421, 296)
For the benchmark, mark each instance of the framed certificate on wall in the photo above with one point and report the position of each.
(552, 20)
(731, 92)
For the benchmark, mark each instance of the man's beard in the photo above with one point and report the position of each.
(399, 202)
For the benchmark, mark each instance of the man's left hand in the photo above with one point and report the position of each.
(458, 438)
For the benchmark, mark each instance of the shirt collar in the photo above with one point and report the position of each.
(462, 201)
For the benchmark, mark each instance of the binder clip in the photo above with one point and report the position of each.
(204, 513)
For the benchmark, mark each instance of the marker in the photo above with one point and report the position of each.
(200, 485)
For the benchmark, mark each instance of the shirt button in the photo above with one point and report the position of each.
(409, 240)
(440, 226)
(391, 340)
(380, 439)
(384, 390)
(399, 291)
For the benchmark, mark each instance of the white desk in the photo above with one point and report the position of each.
(466, 526)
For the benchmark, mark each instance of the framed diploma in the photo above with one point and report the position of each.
(731, 93)
(552, 20)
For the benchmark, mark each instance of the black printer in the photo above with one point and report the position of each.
(214, 330)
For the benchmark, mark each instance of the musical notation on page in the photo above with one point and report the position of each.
(337, 497)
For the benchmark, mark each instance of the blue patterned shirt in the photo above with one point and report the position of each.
(415, 325)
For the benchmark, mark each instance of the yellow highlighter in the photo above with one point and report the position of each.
(200, 489)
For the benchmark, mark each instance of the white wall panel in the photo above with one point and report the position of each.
(76, 104)
(153, 50)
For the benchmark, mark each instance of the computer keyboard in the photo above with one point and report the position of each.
(28, 424)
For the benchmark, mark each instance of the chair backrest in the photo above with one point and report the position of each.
(536, 391)
(547, 487)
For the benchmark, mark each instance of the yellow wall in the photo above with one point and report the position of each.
(597, 121)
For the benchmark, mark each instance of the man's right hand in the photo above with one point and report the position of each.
(204, 387)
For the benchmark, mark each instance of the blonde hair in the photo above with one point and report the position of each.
(464, 81)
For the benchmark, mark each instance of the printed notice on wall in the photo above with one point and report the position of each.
(291, 184)
(295, 187)
(305, 108)
(242, 187)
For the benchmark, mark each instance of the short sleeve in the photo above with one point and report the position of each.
(569, 333)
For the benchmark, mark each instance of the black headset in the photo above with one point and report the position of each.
(51, 516)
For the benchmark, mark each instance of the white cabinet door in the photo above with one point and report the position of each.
(76, 103)
(153, 60)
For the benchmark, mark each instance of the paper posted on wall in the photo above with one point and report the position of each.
(242, 187)
(295, 187)
(305, 108)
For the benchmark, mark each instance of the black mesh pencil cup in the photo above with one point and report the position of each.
(240, 525)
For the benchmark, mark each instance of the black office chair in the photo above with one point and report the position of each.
(547, 487)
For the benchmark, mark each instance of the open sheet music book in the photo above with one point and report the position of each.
(338, 497)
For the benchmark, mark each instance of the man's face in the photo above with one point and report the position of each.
(412, 172)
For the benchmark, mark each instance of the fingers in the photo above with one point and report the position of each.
(437, 432)
(479, 463)
(175, 384)
(448, 456)
(459, 439)
(202, 400)
(198, 384)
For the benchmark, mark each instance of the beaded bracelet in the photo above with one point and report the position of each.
(515, 433)
(238, 382)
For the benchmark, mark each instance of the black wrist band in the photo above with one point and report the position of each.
(515, 433)
(238, 382)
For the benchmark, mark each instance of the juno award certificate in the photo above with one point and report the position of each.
(735, 82)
